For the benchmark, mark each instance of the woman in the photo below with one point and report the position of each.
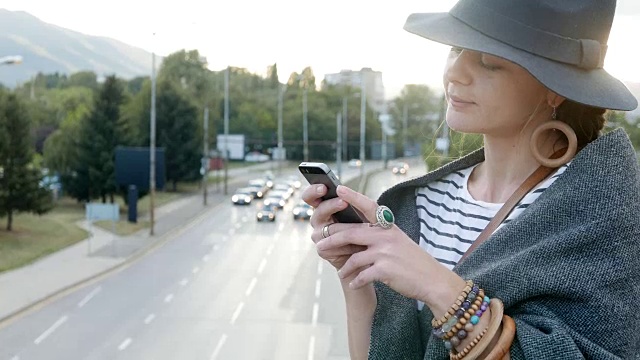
(555, 274)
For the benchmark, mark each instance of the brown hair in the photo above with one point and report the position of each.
(587, 121)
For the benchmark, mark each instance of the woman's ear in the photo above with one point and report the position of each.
(554, 100)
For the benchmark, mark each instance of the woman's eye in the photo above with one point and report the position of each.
(488, 65)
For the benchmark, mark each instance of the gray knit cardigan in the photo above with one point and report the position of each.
(567, 269)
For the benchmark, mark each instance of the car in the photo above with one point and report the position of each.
(256, 156)
(355, 163)
(242, 196)
(400, 168)
(266, 212)
(260, 187)
(282, 186)
(294, 182)
(276, 197)
(302, 211)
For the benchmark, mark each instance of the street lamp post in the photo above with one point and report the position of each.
(305, 125)
(363, 107)
(281, 91)
(152, 145)
(226, 128)
(339, 144)
(11, 60)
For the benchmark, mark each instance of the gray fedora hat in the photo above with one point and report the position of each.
(562, 43)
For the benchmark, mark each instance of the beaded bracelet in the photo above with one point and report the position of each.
(456, 306)
(465, 327)
(480, 342)
(462, 315)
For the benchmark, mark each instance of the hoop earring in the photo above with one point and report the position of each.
(568, 132)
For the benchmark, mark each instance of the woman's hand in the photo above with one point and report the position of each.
(389, 255)
(323, 215)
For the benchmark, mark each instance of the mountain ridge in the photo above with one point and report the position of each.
(49, 48)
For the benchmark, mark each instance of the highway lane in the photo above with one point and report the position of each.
(226, 288)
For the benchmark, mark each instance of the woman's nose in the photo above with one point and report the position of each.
(457, 69)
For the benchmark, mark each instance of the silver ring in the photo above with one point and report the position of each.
(325, 231)
(385, 217)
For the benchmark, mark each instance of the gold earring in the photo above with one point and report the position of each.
(568, 132)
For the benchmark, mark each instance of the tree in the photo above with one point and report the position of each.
(178, 132)
(98, 140)
(20, 189)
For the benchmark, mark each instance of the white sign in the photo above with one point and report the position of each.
(99, 211)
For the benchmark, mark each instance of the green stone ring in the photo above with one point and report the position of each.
(385, 217)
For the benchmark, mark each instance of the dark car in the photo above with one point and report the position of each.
(243, 196)
(277, 198)
(259, 187)
(266, 213)
(302, 211)
(400, 168)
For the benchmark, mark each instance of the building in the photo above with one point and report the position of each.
(374, 87)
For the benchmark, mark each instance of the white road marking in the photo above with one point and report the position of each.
(319, 267)
(225, 238)
(237, 313)
(149, 318)
(244, 219)
(184, 282)
(281, 227)
(318, 283)
(314, 316)
(269, 249)
(231, 232)
(263, 263)
(50, 330)
(238, 225)
(251, 286)
(89, 297)
(205, 258)
(125, 344)
(216, 247)
(312, 348)
(195, 270)
(221, 342)
(168, 298)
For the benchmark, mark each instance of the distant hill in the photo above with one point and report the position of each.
(48, 48)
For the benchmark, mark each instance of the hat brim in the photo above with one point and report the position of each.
(590, 87)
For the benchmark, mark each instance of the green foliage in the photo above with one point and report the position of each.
(178, 132)
(99, 136)
(20, 189)
(618, 119)
(460, 144)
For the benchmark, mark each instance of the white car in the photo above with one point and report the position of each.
(255, 156)
(355, 163)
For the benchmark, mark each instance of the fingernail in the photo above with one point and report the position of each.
(320, 189)
(341, 203)
(351, 285)
(341, 190)
(340, 273)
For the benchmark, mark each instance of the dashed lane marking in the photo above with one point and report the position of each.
(50, 330)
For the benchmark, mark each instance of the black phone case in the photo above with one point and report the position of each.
(349, 214)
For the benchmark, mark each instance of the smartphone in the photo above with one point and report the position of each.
(319, 173)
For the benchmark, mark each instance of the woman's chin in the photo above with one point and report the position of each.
(463, 125)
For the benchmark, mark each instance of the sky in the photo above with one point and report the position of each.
(328, 35)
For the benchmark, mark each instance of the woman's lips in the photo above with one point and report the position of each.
(459, 102)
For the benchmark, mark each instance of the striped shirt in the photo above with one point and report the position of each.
(451, 219)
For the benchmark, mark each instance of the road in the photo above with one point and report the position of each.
(227, 287)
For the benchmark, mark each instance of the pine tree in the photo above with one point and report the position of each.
(20, 189)
(178, 133)
(98, 140)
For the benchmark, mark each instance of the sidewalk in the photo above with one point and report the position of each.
(22, 288)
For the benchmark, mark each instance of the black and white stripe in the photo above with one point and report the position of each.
(451, 219)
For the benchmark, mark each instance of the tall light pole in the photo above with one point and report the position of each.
(205, 155)
(339, 144)
(152, 145)
(305, 125)
(281, 88)
(226, 128)
(345, 131)
(363, 107)
(405, 121)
